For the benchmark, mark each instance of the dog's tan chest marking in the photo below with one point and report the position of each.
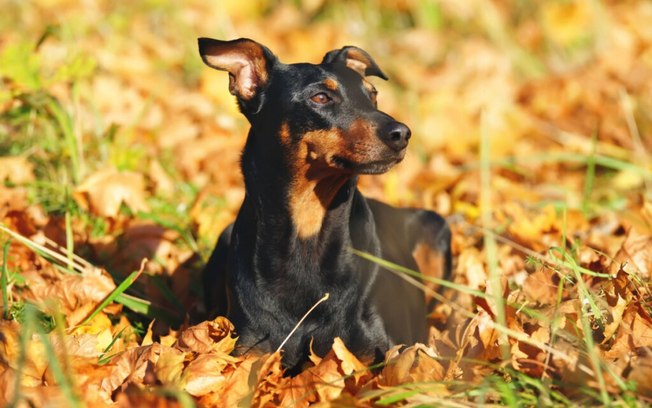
(314, 183)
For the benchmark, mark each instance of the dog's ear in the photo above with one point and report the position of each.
(247, 62)
(355, 58)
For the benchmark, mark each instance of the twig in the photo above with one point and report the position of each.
(323, 299)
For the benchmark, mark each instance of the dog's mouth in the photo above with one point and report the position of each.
(370, 167)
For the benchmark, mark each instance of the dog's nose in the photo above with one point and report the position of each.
(396, 136)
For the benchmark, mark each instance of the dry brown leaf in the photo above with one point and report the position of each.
(238, 388)
(349, 364)
(43, 396)
(100, 328)
(635, 255)
(9, 346)
(642, 330)
(12, 200)
(471, 264)
(170, 365)
(163, 183)
(528, 228)
(541, 286)
(617, 312)
(205, 374)
(87, 379)
(324, 381)
(106, 190)
(136, 397)
(417, 363)
(70, 291)
(487, 334)
(270, 385)
(300, 391)
(7, 385)
(16, 169)
(568, 23)
(145, 239)
(641, 373)
(209, 336)
(130, 367)
(463, 88)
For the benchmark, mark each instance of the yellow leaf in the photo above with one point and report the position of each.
(105, 191)
(16, 169)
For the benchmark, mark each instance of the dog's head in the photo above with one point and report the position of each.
(324, 115)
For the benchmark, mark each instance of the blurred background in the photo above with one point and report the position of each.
(91, 88)
(108, 106)
(531, 119)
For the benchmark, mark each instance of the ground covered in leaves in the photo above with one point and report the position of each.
(532, 126)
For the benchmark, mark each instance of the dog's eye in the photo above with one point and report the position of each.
(321, 98)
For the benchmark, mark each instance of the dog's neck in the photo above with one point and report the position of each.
(299, 220)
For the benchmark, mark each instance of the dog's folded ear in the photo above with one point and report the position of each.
(247, 62)
(355, 58)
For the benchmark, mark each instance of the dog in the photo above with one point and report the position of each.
(314, 129)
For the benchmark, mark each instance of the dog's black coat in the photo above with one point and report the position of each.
(314, 129)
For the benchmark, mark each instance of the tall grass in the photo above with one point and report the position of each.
(4, 279)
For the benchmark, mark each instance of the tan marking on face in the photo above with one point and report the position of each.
(373, 93)
(315, 181)
(284, 134)
(331, 84)
(431, 264)
(316, 177)
(362, 144)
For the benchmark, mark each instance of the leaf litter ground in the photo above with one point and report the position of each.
(532, 134)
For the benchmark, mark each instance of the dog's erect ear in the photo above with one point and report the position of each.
(247, 62)
(355, 58)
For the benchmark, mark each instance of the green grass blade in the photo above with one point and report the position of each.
(25, 335)
(61, 377)
(146, 308)
(66, 126)
(589, 180)
(70, 242)
(588, 305)
(48, 254)
(398, 397)
(490, 245)
(167, 293)
(4, 279)
(403, 270)
(103, 358)
(58, 373)
(600, 160)
(124, 285)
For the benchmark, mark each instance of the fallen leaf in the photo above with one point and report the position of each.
(236, 390)
(170, 365)
(70, 291)
(205, 374)
(16, 170)
(635, 255)
(641, 373)
(209, 336)
(415, 364)
(541, 286)
(106, 190)
(350, 365)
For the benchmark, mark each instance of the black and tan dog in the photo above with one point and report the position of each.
(314, 129)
